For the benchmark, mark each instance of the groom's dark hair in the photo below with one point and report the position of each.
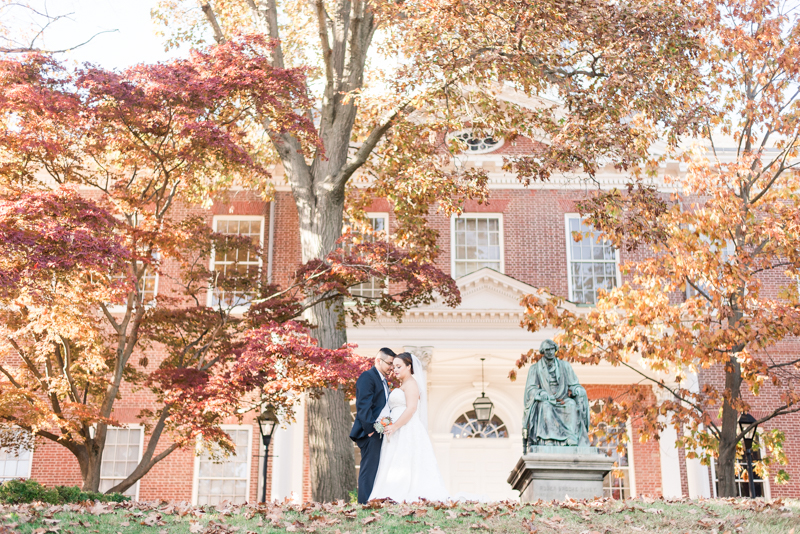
(388, 352)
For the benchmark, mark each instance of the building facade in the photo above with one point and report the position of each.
(497, 252)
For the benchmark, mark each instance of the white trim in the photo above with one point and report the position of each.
(499, 217)
(122, 308)
(216, 218)
(30, 453)
(198, 452)
(132, 426)
(380, 215)
(568, 234)
(631, 467)
(375, 215)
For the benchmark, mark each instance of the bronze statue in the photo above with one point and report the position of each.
(556, 405)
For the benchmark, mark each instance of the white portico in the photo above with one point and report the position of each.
(451, 342)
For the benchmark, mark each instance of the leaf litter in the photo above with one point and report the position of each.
(599, 516)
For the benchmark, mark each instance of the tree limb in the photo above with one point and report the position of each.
(208, 11)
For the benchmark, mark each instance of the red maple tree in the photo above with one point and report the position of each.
(95, 164)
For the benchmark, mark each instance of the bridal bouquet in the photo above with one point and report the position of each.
(382, 423)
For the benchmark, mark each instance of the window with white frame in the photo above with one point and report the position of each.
(468, 426)
(475, 142)
(121, 455)
(379, 222)
(15, 462)
(742, 484)
(477, 242)
(148, 288)
(221, 479)
(617, 483)
(238, 261)
(148, 285)
(592, 262)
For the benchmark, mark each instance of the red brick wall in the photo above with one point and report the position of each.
(534, 252)
(646, 455)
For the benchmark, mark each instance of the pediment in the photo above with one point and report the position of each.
(487, 289)
(490, 291)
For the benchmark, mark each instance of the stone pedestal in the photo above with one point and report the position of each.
(555, 473)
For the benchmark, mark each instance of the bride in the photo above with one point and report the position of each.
(407, 470)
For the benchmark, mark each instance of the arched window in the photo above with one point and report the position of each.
(478, 143)
(467, 426)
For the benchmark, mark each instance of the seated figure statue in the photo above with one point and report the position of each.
(556, 405)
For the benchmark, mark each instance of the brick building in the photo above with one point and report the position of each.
(498, 252)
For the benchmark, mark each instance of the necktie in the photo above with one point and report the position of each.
(385, 387)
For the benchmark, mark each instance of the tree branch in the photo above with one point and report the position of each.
(367, 147)
(208, 11)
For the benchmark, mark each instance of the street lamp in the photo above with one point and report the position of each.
(266, 425)
(748, 426)
(483, 405)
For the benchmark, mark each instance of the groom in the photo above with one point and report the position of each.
(372, 394)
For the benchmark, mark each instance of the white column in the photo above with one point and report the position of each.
(287, 459)
(697, 475)
(670, 463)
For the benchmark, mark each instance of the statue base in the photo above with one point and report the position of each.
(557, 473)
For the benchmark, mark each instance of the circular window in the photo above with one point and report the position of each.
(477, 143)
(467, 426)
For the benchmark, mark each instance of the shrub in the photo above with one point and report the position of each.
(24, 491)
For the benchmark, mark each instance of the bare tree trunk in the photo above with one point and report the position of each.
(726, 466)
(89, 462)
(332, 461)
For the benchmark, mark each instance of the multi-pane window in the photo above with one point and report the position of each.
(742, 484)
(225, 478)
(468, 426)
(477, 243)
(242, 262)
(478, 143)
(148, 285)
(592, 263)
(16, 464)
(121, 455)
(374, 288)
(617, 483)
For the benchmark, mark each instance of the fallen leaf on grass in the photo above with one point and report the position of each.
(195, 527)
(478, 526)
(368, 520)
(654, 511)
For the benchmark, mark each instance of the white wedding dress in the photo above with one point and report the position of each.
(408, 470)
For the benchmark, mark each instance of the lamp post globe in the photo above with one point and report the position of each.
(267, 421)
(748, 427)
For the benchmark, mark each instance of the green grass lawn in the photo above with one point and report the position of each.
(590, 517)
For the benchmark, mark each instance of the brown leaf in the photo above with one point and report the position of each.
(368, 520)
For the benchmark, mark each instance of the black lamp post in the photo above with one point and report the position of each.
(266, 425)
(748, 427)
(483, 405)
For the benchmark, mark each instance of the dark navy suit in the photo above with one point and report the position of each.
(370, 400)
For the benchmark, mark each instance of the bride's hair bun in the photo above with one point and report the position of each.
(407, 359)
